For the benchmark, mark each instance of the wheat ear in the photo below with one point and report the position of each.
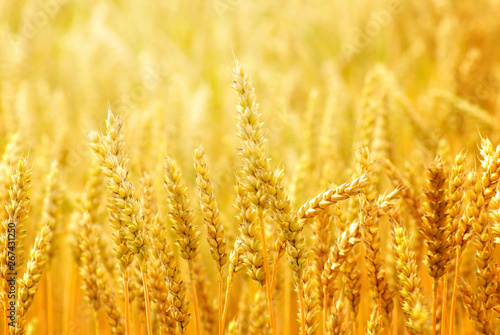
(338, 255)
(325, 199)
(483, 242)
(369, 217)
(158, 286)
(412, 301)
(435, 227)
(179, 306)
(17, 211)
(182, 217)
(310, 304)
(256, 171)
(455, 195)
(90, 257)
(212, 219)
(123, 208)
(28, 285)
(373, 326)
(475, 309)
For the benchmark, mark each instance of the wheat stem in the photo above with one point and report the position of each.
(302, 311)
(445, 294)
(221, 288)
(96, 320)
(275, 270)
(48, 287)
(454, 297)
(434, 304)
(195, 300)
(127, 305)
(5, 322)
(266, 269)
(325, 307)
(226, 305)
(146, 300)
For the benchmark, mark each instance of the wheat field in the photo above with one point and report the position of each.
(238, 167)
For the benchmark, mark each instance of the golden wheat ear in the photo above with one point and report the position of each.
(412, 301)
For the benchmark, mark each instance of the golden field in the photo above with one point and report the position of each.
(236, 167)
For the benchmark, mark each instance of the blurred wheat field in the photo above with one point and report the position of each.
(231, 167)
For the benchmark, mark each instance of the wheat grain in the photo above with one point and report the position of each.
(336, 324)
(373, 326)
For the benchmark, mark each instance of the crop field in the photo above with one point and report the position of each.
(226, 167)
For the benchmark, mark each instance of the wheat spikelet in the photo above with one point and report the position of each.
(211, 215)
(373, 326)
(336, 324)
